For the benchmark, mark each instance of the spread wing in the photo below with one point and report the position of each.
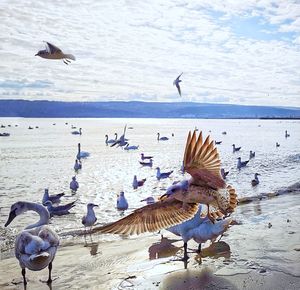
(178, 88)
(52, 48)
(151, 218)
(201, 160)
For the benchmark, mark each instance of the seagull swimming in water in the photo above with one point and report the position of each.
(143, 157)
(122, 202)
(235, 149)
(224, 173)
(137, 183)
(252, 154)
(161, 175)
(176, 83)
(74, 185)
(60, 209)
(255, 181)
(241, 163)
(206, 186)
(53, 52)
(55, 198)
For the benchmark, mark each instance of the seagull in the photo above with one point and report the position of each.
(286, 134)
(77, 165)
(122, 203)
(132, 147)
(252, 154)
(74, 185)
(53, 52)
(148, 200)
(176, 83)
(136, 183)
(161, 175)
(81, 154)
(200, 229)
(224, 132)
(277, 144)
(255, 181)
(77, 132)
(55, 198)
(235, 149)
(143, 157)
(241, 164)
(36, 245)
(150, 163)
(224, 173)
(206, 186)
(90, 218)
(59, 210)
(161, 138)
(218, 142)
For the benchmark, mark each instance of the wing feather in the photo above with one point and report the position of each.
(202, 161)
(151, 218)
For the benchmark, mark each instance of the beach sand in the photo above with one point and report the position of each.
(260, 251)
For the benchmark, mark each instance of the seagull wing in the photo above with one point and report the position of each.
(52, 48)
(201, 160)
(151, 218)
(178, 88)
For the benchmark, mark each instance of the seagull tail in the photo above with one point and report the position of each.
(70, 56)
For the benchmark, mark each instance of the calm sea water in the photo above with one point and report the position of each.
(32, 160)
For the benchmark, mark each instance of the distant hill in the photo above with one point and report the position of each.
(53, 109)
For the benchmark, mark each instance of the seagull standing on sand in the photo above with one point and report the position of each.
(74, 185)
(90, 218)
(55, 198)
(206, 186)
(176, 83)
(122, 203)
(36, 245)
(199, 229)
(255, 181)
(53, 52)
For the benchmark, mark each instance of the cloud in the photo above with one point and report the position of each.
(229, 51)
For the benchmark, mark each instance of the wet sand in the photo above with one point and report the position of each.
(260, 251)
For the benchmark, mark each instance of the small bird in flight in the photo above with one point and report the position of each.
(53, 52)
(176, 83)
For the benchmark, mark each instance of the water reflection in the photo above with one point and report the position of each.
(93, 247)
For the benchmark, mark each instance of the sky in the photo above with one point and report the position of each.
(231, 52)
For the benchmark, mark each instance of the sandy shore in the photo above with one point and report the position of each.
(261, 251)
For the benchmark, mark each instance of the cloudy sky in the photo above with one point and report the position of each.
(238, 52)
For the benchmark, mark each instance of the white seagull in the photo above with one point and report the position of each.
(122, 203)
(53, 52)
(90, 218)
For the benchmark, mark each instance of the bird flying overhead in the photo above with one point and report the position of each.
(176, 83)
(206, 186)
(53, 52)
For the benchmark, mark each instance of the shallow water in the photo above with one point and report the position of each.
(32, 160)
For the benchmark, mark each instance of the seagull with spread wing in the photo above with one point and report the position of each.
(206, 186)
(176, 83)
(53, 52)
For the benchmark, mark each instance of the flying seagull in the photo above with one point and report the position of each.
(176, 83)
(53, 52)
(206, 185)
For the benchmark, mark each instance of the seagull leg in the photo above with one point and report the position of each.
(185, 255)
(49, 281)
(199, 249)
(65, 62)
(24, 278)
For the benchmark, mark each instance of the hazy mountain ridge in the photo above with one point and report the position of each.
(52, 109)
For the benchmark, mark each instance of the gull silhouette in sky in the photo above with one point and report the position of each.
(53, 52)
(176, 83)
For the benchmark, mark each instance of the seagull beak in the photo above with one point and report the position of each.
(36, 54)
